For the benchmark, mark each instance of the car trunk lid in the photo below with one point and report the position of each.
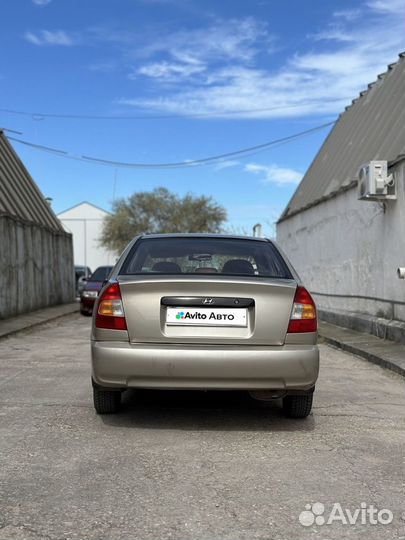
(153, 307)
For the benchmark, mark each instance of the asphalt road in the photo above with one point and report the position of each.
(190, 465)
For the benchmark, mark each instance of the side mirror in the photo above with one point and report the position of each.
(401, 272)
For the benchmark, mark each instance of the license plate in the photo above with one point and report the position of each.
(206, 316)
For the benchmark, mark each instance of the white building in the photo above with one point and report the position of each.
(347, 250)
(84, 221)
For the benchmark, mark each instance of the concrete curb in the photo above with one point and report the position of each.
(360, 322)
(384, 353)
(9, 327)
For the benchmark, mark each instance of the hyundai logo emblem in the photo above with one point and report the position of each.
(208, 301)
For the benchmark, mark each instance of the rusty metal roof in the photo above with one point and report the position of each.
(20, 197)
(372, 127)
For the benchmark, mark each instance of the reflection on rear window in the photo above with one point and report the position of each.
(205, 256)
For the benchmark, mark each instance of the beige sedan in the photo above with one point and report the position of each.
(205, 312)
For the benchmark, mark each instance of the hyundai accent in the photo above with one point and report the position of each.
(205, 312)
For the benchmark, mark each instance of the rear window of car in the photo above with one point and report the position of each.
(205, 256)
(101, 273)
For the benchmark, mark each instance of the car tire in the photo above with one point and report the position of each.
(106, 401)
(298, 406)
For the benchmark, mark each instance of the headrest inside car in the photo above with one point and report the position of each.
(238, 266)
(166, 267)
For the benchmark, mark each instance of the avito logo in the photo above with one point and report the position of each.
(181, 315)
(366, 514)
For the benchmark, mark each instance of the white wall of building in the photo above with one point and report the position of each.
(349, 247)
(85, 222)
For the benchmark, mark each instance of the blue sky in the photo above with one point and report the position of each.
(254, 70)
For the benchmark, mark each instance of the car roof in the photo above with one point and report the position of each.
(205, 235)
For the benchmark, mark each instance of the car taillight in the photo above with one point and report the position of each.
(303, 313)
(110, 311)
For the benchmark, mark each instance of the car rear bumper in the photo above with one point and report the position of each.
(126, 365)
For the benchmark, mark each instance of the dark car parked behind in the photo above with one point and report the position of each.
(91, 289)
(80, 273)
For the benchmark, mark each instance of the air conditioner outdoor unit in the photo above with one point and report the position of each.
(374, 182)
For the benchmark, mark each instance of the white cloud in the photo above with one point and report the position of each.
(188, 53)
(387, 6)
(318, 80)
(170, 71)
(333, 33)
(235, 39)
(289, 94)
(32, 38)
(348, 14)
(226, 164)
(50, 37)
(41, 2)
(273, 174)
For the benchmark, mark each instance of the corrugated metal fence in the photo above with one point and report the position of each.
(36, 253)
(36, 267)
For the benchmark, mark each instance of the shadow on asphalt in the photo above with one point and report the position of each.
(199, 411)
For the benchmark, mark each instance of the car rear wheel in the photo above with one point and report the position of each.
(298, 406)
(106, 401)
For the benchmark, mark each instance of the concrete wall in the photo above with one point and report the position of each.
(36, 267)
(347, 247)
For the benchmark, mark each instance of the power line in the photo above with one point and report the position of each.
(11, 131)
(219, 114)
(175, 165)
